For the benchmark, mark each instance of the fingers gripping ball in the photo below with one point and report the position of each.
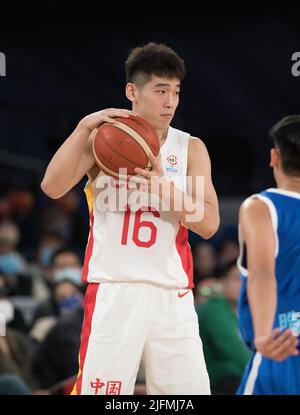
(126, 143)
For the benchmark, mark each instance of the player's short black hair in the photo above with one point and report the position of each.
(153, 59)
(286, 137)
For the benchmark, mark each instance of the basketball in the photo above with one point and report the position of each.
(125, 144)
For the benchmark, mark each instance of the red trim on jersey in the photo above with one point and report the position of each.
(89, 250)
(185, 253)
(89, 307)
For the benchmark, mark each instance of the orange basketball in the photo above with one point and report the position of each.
(125, 144)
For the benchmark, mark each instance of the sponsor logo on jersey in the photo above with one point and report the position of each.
(180, 295)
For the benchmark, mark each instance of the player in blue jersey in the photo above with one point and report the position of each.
(269, 305)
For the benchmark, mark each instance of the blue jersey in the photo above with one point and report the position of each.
(284, 207)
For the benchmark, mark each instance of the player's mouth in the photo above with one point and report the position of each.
(167, 116)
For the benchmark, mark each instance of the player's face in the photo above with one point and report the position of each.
(157, 101)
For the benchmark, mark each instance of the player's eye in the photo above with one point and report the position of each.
(161, 91)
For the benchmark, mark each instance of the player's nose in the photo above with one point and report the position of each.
(170, 101)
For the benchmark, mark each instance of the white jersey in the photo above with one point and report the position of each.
(140, 246)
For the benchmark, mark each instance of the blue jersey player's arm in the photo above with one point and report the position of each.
(257, 231)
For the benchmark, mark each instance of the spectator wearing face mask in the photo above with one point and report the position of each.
(50, 366)
(41, 268)
(12, 264)
(67, 294)
(63, 259)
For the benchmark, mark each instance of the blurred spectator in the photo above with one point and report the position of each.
(23, 211)
(5, 209)
(206, 289)
(205, 261)
(15, 357)
(63, 217)
(12, 264)
(10, 261)
(11, 384)
(51, 366)
(225, 352)
(41, 270)
(58, 321)
(67, 295)
(65, 257)
(13, 316)
(18, 204)
(228, 251)
(49, 243)
(62, 259)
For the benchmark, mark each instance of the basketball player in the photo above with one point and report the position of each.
(139, 301)
(269, 306)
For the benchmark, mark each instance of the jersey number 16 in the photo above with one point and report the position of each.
(138, 224)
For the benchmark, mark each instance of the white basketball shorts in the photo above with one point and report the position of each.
(127, 322)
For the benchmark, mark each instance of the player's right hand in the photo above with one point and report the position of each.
(95, 119)
(278, 345)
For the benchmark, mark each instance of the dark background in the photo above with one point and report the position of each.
(61, 66)
(63, 63)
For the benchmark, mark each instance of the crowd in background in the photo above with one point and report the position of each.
(42, 244)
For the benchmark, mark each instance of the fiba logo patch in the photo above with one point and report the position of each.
(172, 161)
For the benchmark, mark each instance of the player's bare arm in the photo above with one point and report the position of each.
(259, 237)
(74, 159)
(198, 166)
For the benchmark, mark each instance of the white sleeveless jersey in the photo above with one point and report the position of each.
(147, 246)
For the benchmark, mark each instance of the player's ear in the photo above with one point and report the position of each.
(131, 92)
(274, 157)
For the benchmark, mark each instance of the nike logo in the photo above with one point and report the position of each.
(180, 295)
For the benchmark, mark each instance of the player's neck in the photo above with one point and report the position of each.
(289, 183)
(162, 135)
